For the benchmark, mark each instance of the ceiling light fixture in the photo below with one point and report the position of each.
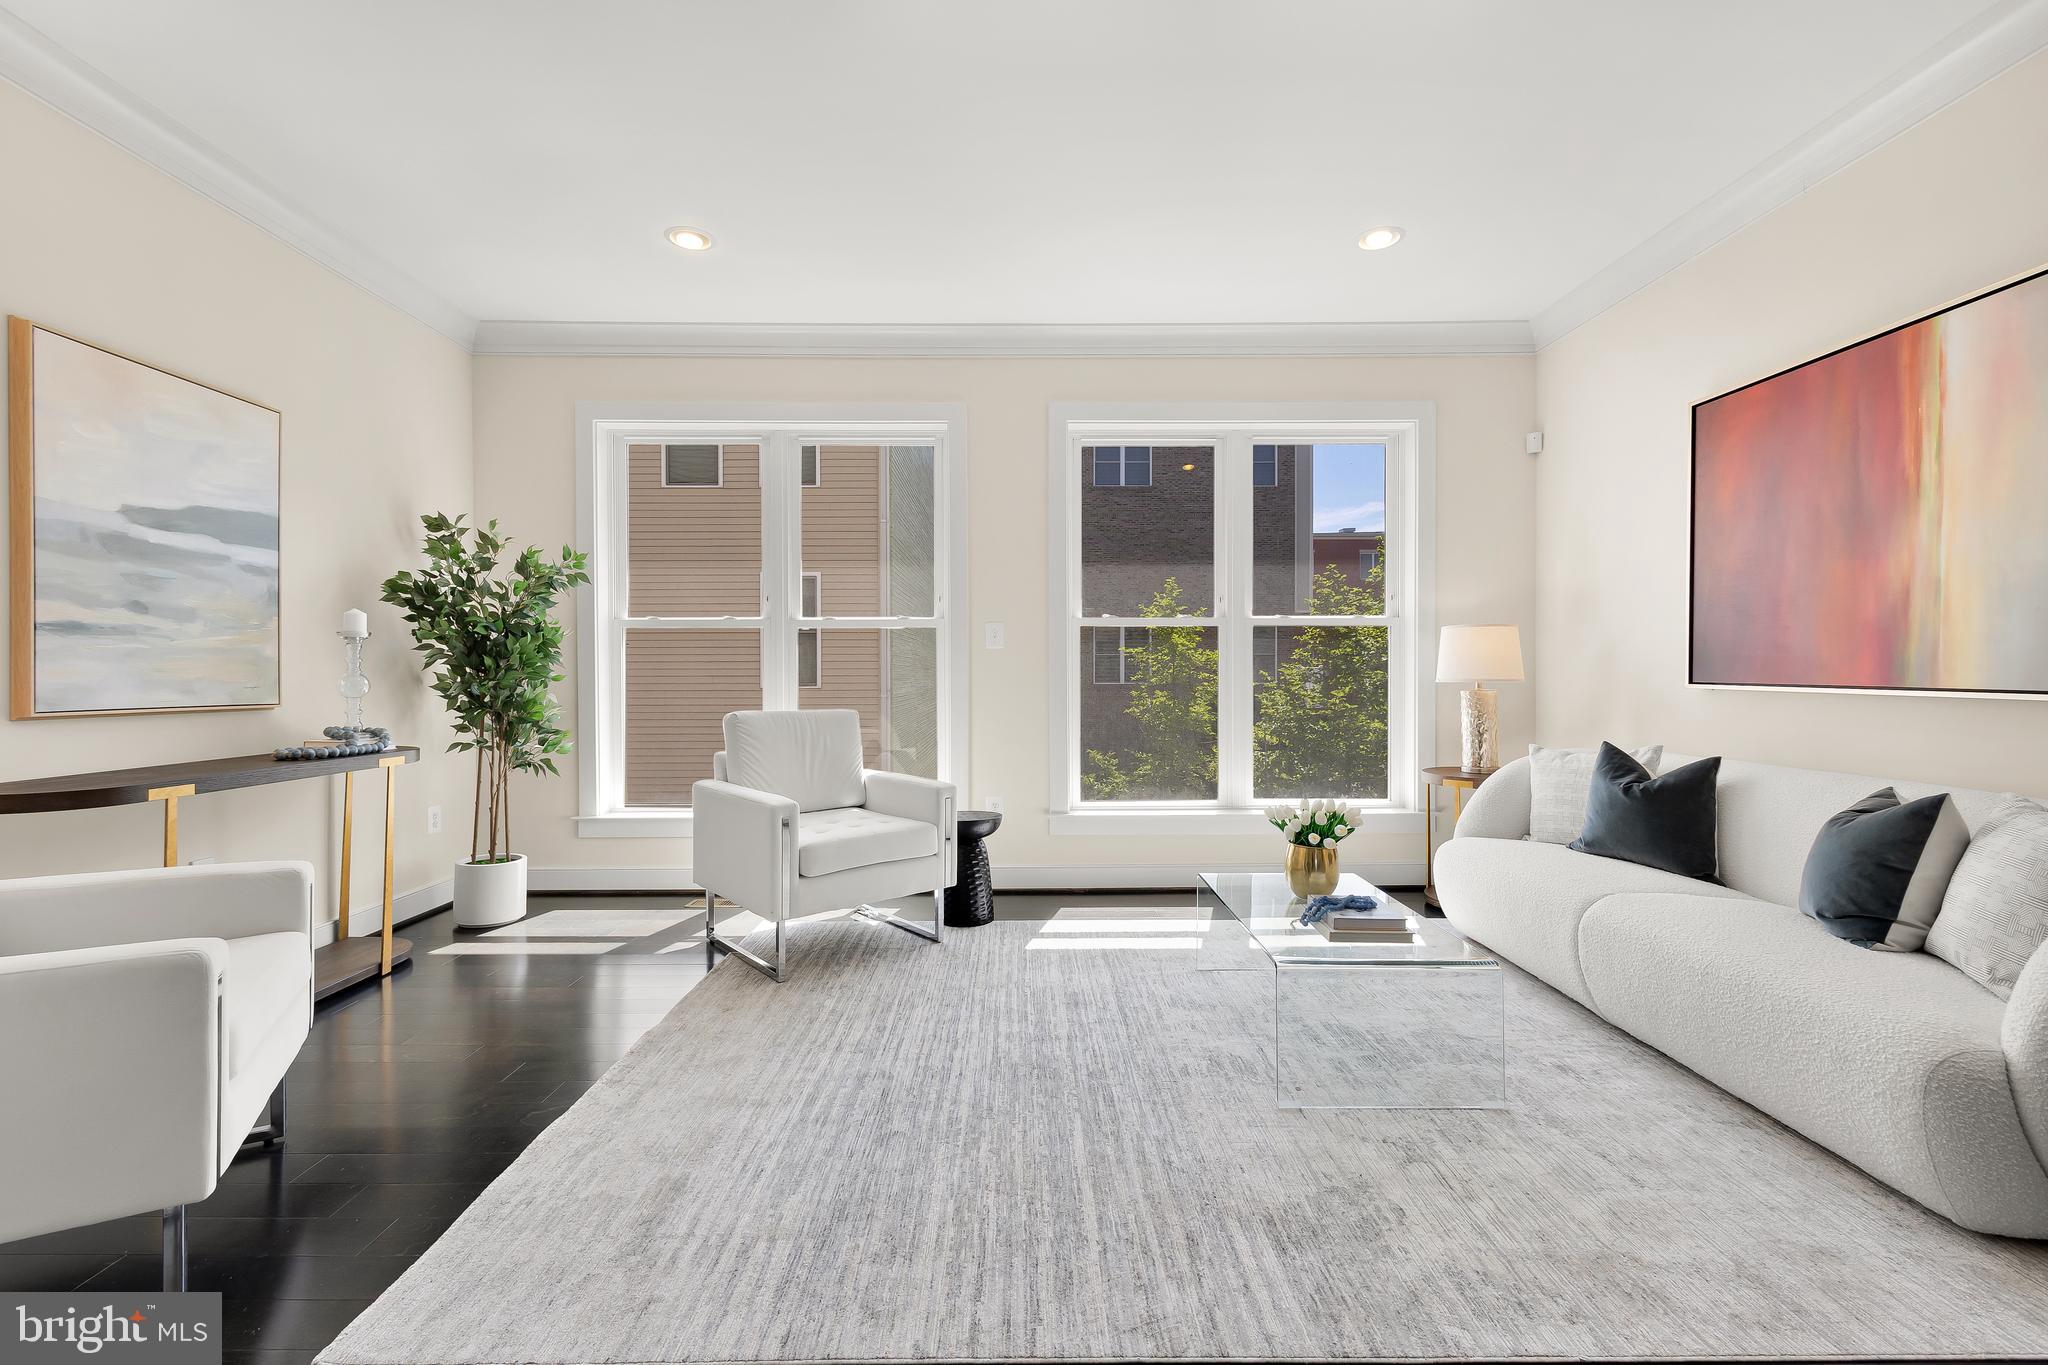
(689, 238)
(1379, 238)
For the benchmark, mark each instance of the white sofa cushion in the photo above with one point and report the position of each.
(830, 841)
(1995, 915)
(1893, 1060)
(1560, 780)
(1524, 899)
(811, 757)
(267, 975)
(1769, 817)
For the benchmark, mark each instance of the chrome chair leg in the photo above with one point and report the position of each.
(271, 1133)
(174, 1250)
(714, 945)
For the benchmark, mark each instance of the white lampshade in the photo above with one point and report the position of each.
(1479, 654)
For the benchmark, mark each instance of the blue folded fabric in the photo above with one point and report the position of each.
(1319, 906)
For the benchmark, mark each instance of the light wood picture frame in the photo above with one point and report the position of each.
(143, 536)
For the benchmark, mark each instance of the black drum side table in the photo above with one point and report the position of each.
(971, 899)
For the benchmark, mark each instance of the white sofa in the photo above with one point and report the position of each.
(1896, 1061)
(149, 1018)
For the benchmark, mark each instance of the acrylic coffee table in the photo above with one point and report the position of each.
(1403, 1025)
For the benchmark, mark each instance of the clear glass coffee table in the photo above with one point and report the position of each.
(1408, 1024)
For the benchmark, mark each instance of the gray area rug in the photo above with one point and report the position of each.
(983, 1150)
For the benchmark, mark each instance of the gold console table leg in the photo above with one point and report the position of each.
(390, 766)
(348, 827)
(169, 796)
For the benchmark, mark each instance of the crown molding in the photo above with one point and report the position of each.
(31, 61)
(1997, 40)
(1085, 339)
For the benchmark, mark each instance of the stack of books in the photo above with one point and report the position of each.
(1387, 924)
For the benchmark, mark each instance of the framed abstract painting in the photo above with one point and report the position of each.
(143, 536)
(1877, 519)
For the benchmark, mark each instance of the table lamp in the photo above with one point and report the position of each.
(1480, 653)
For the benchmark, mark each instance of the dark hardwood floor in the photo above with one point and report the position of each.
(410, 1096)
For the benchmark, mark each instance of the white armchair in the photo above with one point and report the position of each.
(792, 824)
(150, 1018)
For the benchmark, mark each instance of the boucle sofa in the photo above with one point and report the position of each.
(1896, 1061)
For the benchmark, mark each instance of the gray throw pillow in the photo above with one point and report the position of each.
(1995, 914)
(1559, 780)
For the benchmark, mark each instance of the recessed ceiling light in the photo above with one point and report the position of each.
(690, 239)
(1379, 238)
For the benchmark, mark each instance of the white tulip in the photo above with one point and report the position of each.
(1342, 830)
(1315, 838)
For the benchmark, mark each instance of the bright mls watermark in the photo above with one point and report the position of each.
(165, 1329)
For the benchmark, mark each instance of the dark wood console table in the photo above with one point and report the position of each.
(340, 964)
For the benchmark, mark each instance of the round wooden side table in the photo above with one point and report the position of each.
(1459, 782)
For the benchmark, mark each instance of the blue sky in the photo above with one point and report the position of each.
(1351, 487)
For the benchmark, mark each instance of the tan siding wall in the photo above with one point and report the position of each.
(697, 552)
(694, 551)
(679, 685)
(842, 540)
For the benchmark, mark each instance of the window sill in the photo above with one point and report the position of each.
(635, 824)
(1156, 823)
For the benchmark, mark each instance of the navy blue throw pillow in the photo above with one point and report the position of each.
(1665, 822)
(1878, 870)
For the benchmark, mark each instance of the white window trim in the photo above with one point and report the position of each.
(718, 482)
(1409, 431)
(603, 430)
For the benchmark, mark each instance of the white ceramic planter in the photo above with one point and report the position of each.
(490, 894)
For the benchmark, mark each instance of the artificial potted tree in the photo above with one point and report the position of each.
(484, 623)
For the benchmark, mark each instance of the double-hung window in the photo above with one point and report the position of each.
(747, 562)
(1262, 614)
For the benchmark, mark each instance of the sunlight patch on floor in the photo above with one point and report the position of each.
(545, 948)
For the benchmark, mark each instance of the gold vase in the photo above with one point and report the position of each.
(1311, 871)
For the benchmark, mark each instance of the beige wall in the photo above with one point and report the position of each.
(1950, 207)
(1942, 211)
(526, 476)
(376, 429)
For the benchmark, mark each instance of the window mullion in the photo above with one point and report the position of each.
(1233, 611)
(780, 536)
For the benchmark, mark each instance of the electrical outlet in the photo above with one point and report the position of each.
(433, 819)
(992, 635)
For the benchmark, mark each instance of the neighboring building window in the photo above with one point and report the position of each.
(1368, 560)
(813, 597)
(1122, 466)
(1265, 466)
(807, 658)
(1265, 653)
(1119, 654)
(810, 463)
(692, 466)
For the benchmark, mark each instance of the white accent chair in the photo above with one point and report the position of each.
(149, 1018)
(792, 824)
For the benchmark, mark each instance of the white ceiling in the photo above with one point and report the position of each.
(960, 162)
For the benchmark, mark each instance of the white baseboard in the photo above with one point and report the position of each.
(669, 877)
(1036, 877)
(364, 921)
(1115, 876)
